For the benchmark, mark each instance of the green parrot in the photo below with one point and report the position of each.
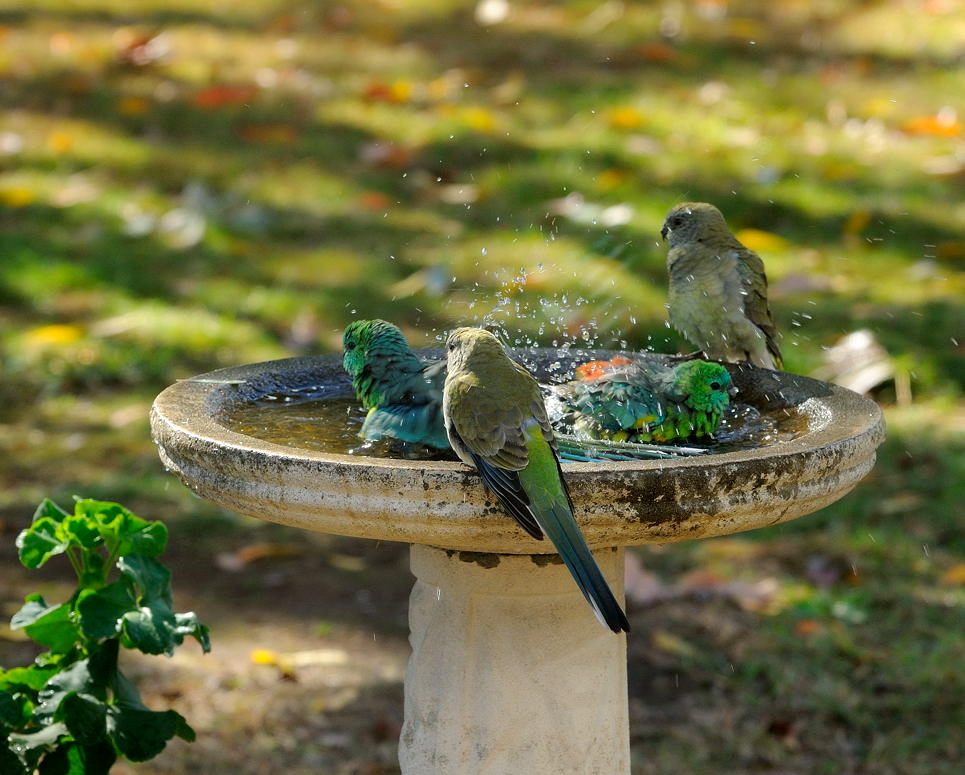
(626, 400)
(718, 289)
(402, 394)
(497, 423)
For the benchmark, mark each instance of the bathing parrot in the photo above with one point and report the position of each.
(718, 289)
(627, 400)
(403, 395)
(497, 423)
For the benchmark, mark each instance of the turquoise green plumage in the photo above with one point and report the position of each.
(403, 395)
(625, 400)
(497, 423)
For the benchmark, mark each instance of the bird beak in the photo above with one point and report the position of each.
(664, 232)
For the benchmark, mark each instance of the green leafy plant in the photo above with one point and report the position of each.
(73, 712)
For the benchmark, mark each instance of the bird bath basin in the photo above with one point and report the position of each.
(510, 672)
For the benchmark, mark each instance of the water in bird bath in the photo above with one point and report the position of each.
(320, 421)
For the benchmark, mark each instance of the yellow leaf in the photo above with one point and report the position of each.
(132, 106)
(401, 91)
(59, 141)
(944, 124)
(17, 196)
(857, 221)
(479, 120)
(610, 179)
(955, 576)
(762, 241)
(672, 644)
(264, 657)
(53, 335)
(625, 118)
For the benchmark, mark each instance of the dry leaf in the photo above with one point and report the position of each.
(238, 560)
(374, 200)
(762, 241)
(625, 118)
(942, 124)
(280, 134)
(223, 95)
(955, 576)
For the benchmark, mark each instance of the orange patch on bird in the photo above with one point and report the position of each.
(595, 369)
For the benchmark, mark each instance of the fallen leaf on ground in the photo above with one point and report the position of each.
(762, 241)
(278, 134)
(954, 576)
(625, 118)
(942, 124)
(241, 558)
(671, 644)
(224, 95)
(17, 196)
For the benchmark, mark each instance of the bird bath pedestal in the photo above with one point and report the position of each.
(510, 672)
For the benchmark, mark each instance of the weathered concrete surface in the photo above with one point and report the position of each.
(443, 504)
(510, 671)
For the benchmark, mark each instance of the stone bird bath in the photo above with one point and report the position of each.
(510, 672)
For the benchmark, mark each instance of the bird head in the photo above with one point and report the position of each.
(691, 222)
(365, 339)
(705, 386)
(467, 344)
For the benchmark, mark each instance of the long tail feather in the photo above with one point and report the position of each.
(560, 527)
(573, 449)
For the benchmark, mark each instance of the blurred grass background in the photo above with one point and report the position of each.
(190, 184)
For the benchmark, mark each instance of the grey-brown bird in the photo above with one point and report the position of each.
(718, 289)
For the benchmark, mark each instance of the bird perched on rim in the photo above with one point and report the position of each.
(403, 394)
(718, 289)
(642, 401)
(497, 423)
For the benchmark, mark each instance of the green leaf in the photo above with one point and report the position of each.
(73, 680)
(122, 530)
(44, 738)
(48, 508)
(14, 710)
(103, 664)
(141, 734)
(81, 531)
(100, 612)
(10, 764)
(151, 577)
(63, 760)
(85, 717)
(151, 629)
(31, 677)
(188, 624)
(39, 542)
(76, 759)
(49, 626)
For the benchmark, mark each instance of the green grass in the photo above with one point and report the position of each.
(400, 160)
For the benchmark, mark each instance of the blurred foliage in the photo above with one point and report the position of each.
(190, 184)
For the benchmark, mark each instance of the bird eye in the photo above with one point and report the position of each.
(349, 346)
(452, 346)
(715, 385)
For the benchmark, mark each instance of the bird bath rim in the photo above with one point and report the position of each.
(441, 503)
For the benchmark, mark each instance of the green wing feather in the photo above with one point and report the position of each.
(499, 424)
(754, 291)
